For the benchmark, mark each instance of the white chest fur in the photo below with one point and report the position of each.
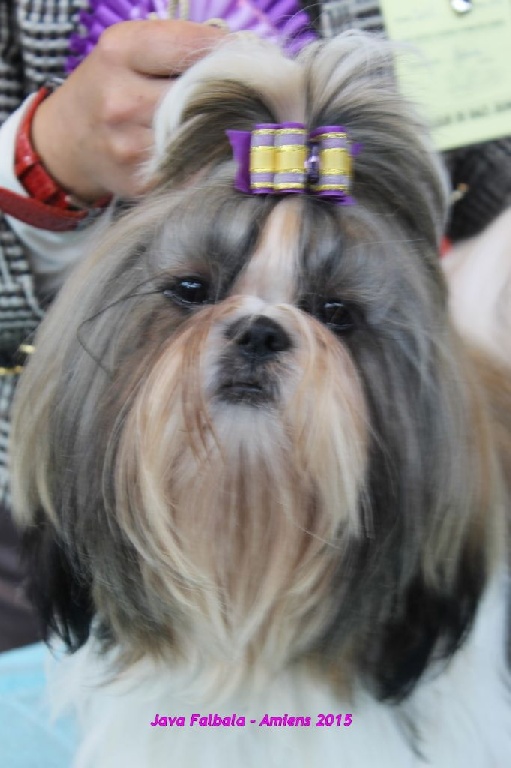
(460, 718)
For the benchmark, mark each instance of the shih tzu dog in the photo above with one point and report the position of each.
(262, 478)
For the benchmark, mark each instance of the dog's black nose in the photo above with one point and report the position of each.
(259, 338)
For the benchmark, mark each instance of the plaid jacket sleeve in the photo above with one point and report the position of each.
(33, 47)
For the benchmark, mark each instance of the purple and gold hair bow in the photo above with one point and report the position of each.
(282, 159)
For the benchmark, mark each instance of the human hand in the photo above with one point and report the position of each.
(95, 131)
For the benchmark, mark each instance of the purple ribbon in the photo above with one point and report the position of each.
(282, 21)
(282, 159)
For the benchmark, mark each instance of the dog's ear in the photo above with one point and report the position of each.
(410, 588)
(435, 617)
(60, 593)
(436, 494)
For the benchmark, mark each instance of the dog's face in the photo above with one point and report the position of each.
(254, 431)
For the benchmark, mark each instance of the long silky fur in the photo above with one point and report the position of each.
(347, 529)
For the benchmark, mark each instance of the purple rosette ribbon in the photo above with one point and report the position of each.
(283, 159)
(281, 21)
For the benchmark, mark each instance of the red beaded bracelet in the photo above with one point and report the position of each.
(48, 206)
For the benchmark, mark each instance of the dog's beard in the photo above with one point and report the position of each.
(238, 481)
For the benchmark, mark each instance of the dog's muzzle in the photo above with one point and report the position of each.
(255, 347)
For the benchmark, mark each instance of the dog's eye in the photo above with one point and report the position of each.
(337, 315)
(189, 291)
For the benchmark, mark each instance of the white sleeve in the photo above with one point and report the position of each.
(51, 254)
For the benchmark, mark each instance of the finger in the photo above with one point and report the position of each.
(165, 48)
(136, 105)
